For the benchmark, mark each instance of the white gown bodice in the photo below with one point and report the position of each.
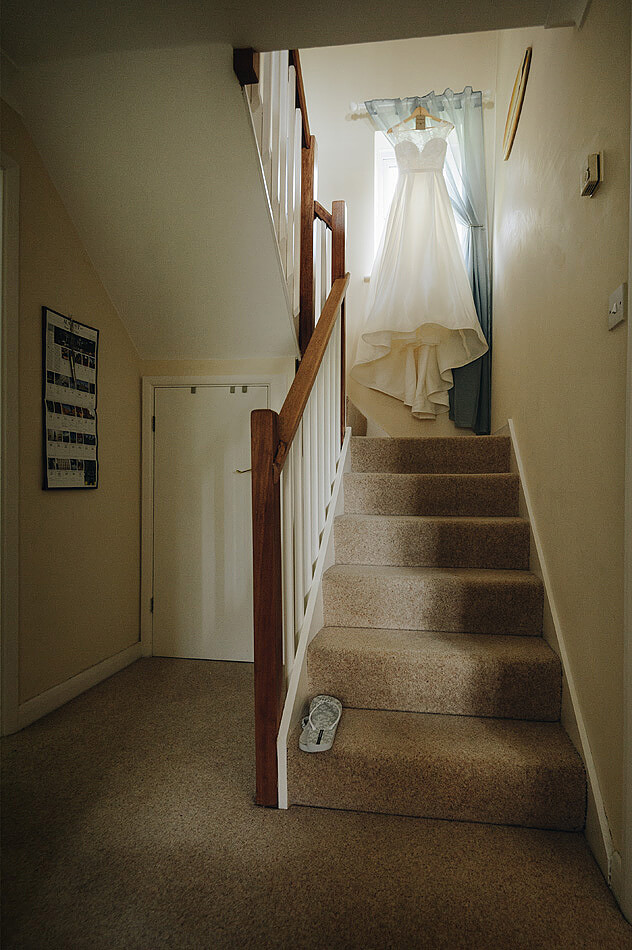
(422, 150)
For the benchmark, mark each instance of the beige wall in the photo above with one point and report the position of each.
(336, 76)
(557, 371)
(79, 550)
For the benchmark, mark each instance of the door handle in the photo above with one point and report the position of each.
(242, 471)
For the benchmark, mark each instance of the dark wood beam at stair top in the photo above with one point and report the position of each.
(246, 65)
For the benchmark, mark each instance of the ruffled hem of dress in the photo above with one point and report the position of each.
(426, 369)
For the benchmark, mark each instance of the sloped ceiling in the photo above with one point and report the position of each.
(50, 29)
(154, 157)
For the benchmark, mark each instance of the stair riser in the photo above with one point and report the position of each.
(436, 544)
(432, 603)
(512, 795)
(474, 687)
(431, 455)
(470, 495)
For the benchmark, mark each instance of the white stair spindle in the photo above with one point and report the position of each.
(266, 131)
(298, 141)
(328, 271)
(308, 496)
(317, 270)
(335, 403)
(283, 134)
(338, 354)
(321, 454)
(299, 531)
(326, 370)
(315, 463)
(274, 146)
(288, 564)
(323, 264)
(291, 169)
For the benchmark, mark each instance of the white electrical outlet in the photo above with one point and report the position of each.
(617, 306)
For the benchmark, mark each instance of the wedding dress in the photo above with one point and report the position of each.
(420, 320)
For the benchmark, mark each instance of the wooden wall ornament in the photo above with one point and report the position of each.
(515, 104)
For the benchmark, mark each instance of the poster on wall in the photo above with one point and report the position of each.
(70, 402)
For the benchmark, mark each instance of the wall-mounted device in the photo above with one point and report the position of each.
(617, 306)
(592, 174)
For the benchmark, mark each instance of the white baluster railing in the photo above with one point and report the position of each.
(306, 490)
(278, 126)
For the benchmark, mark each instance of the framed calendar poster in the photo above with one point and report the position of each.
(71, 361)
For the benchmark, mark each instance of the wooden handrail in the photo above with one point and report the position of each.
(296, 399)
(323, 214)
(301, 102)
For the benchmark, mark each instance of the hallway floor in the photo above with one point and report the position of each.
(128, 822)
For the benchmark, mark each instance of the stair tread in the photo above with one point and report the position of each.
(443, 476)
(463, 768)
(361, 516)
(487, 453)
(413, 736)
(418, 644)
(390, 734)
(465, 674)
(463, 574)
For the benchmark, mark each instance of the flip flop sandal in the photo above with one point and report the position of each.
(319, 728)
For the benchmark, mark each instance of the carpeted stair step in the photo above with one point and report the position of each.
(425, 598)
(432, 541)
(452, 767)
(445, 455)
(379, 493)
(458, 673)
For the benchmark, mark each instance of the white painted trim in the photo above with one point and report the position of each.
(278, 386)
(311, 624)
(622, 886)
(58, 695)
(10, 499)
(273, 232)
(563, 653)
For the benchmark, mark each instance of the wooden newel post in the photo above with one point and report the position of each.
(306, 318)
(338, 241)
(268, 612)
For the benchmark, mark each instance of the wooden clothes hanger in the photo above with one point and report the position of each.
(420, 114)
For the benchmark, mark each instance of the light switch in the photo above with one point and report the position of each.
(617, 306)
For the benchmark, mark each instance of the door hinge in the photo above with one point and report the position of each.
(153, 423)
(151, 605)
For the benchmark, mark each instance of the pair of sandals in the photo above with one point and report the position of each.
(319, 727)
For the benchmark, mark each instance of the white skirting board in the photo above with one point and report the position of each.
(597, 829)
(297, 686)
(58, 695)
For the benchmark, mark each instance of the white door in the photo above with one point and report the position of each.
(202, 521)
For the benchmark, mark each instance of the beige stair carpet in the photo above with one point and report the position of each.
(433, 642)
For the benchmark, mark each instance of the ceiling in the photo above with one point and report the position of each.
(49, 29)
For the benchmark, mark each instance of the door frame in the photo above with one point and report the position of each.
(9, 413)
(277, 384)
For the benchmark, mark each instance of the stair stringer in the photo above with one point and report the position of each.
(597, 829)
(297, 692)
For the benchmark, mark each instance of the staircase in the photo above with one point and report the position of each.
(432, 641)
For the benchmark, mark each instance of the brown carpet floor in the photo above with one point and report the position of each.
(129, 823)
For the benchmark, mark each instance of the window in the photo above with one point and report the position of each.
(385, 179)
